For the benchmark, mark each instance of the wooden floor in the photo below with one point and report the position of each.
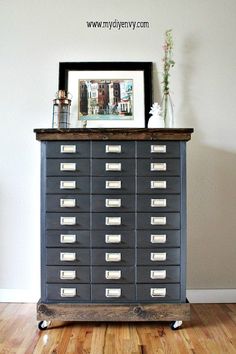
(212, 330)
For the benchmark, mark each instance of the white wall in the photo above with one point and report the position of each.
(36, 35)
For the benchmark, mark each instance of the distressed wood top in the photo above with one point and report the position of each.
(114, 134)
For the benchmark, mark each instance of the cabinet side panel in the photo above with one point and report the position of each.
(43, 226)
(183, 222)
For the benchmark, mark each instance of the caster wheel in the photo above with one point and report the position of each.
(42, 325)
(176, 325)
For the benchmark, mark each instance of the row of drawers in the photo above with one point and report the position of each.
(112, 274)
(112, 149)
(113, 293)
(108, 167)
(117, 257)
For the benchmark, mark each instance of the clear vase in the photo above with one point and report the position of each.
(167, 111)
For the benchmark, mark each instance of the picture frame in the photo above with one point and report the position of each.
(108, 94)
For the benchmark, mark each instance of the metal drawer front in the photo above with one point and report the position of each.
(68, 149)
(100, 257)
(149, 292)
(158, 202)
(111, 203)
(154, 257)
(117, 239)
(69, 167)
(161, 185)
(54, 256)
(67, 274)
(156, 167)
(154, 274)
(109, 274)
(60, 221)
(158, 238)
(100, 292)
(56, 238)
(113, 185)
(112, 221)
(76, 185)
(82, 292)
(67, 203)
(163, 221)
(115, 167)
(158, 149)
(113, 149)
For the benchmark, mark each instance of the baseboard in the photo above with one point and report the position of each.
(193, 295)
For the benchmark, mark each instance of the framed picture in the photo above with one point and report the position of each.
(108, 94)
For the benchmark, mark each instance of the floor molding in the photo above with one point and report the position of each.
(193, 295)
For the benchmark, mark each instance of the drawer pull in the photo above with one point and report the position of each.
(67, 238)
(113, 274)
(113, 203)
(158, 274)
(113, 166)
(67, 256)
(68, 149)
(158, 149)
(113, 184)
(113, 149)
(158, 166)
(67, 203)
(158, 184)
(158, 257)
(158, 239)
(68, 220)
(113, 257)
(113, 238)
(113, 220)
(113, 292)
(158, 292)
(68, 292)
(67, 184)
(156, 203)
(67, 274)
(158, 220)
(67, 166)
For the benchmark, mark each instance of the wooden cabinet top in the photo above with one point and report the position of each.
(114, 134)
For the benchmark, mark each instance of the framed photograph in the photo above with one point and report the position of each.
(108, 94)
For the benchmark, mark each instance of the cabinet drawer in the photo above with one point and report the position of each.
(158, 292)
(113, 149)
(68, 292)
(158, 238)
(68, 167)
(113, 293)
(113, 221)
(68, 185)
(68, 149)
(116, 257)
(109, 203)
(158, 256)
(158, 149)
(67, 274)
(113, 185)
(160, 185)
(158, 167)
(117, 239)
(67, 256)
(154, 274)
(71, 238)
(114, 167)
(67, 221)
(158, 202)
(160, 221)
(67, 203)
(113, 274)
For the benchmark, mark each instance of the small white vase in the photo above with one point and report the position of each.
(156, 122)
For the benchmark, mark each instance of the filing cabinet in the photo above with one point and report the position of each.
(113, 222)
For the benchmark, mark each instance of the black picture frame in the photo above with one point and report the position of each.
(146, 67)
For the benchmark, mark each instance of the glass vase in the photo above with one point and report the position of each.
(167, 110)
